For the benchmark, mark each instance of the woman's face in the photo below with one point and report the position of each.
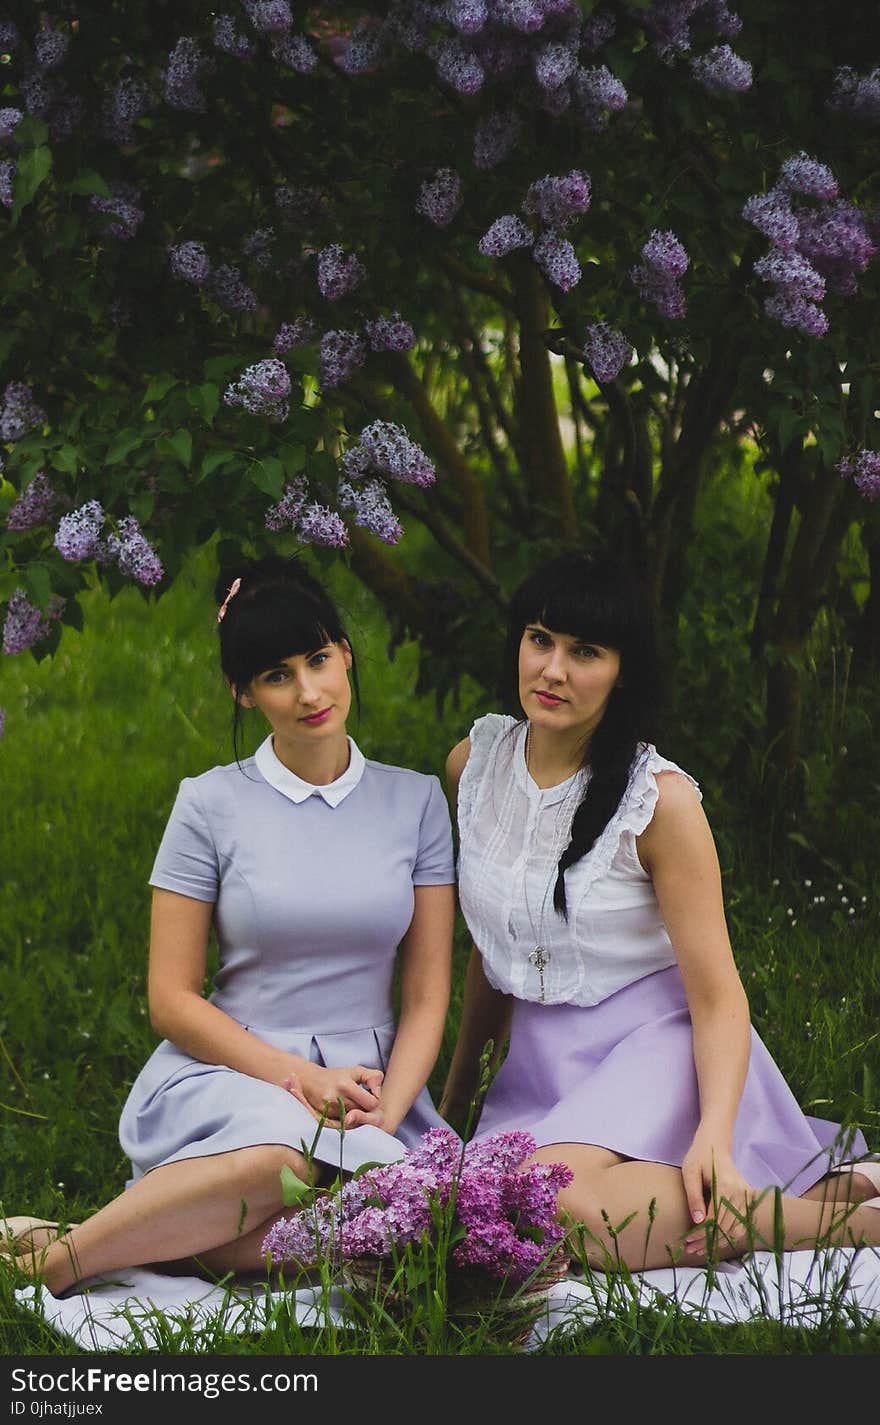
(305, 698)
(564, 683)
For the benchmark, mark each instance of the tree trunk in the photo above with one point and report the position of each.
(540, 439)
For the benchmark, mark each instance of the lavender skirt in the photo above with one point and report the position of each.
(620, 1075)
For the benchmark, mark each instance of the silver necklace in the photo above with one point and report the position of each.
(539, 957)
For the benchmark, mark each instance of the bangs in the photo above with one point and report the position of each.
(269, 630)
(595, 617)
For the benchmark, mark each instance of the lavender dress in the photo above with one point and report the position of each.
(606, 1056)
(313, 892)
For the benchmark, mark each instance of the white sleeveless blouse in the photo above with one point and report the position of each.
(512, 834)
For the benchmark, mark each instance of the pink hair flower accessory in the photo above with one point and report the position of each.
(233, 590)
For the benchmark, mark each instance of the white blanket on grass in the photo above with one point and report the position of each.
(130, 1311)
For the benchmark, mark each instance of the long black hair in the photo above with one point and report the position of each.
(595, 598)
(279, 611)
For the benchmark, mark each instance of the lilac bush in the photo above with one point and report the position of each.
(418, 211)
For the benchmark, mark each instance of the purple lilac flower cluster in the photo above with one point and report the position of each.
(440, 197)
(670, 23)
(338, 273)
(272, 17)
(294, 52)
(134, 554)
(364, 50)
(8, 170)
(863, 469)
(291, 334)
(371, 508)
(25, 624)
(229, 289)
(557, 259)
(390, 333)
(227, 38)
(190, 262)
(20, 412)
(285, 514)
(318, 524)
(556, 202)
(257, 247)
(817, 246)
(506, 1211)
(505, 235)
(34, 505)
(720, 69)
(340, 355)
(263, 389)
(78, 535)
(50, 48)
(312, 522)
(128, 102)
(857, 96)
(494, 138)
(187, 67)
(386, 449)
(607, 351)
(9, 122)
(657, 277)
(597, 94)
(123, 207)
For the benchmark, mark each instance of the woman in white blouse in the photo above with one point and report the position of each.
(590, 884)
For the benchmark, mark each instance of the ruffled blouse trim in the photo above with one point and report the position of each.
(484, 735)
(633, 814)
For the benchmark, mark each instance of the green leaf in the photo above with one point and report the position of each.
(268, 476)
(181, 444)
(38, 584)
(88, 182)
(205, 399)
(293, 1189)
(159, 386)
(213, 460)
(66, 459)
(31, 132)
(34, 166)
(293, 458)
(126, 441)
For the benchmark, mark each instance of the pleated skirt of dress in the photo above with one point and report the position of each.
(620, 1075)
(179, 1107)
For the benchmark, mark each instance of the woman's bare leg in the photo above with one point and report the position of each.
(635, 1214)
(177, 1211)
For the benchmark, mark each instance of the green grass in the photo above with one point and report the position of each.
(97, 739)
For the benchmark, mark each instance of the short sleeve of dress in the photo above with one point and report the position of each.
(187, 860)
(435, 864)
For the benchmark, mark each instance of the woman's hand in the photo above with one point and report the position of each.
(333, 1094)
(717, 1193)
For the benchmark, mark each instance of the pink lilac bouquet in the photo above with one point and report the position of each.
(492, 1215)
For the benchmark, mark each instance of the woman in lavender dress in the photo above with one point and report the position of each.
(320, 871)
(589, 881)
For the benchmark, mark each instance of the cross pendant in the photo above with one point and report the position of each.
(539, 958)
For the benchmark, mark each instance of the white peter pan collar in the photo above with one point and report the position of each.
(292, 786)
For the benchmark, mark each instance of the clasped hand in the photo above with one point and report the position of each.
(342, 1097)
(718, 1197)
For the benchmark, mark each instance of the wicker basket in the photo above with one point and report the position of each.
(474, 1299)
